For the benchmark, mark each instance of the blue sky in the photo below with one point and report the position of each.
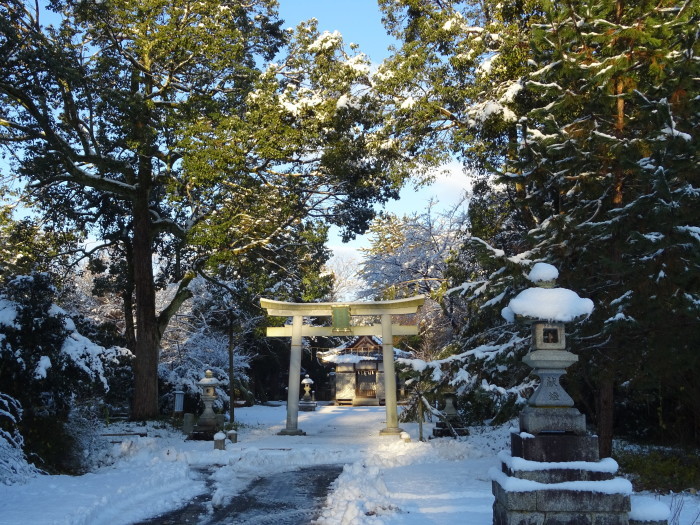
(359, 21)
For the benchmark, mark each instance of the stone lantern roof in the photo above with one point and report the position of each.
(546, 303)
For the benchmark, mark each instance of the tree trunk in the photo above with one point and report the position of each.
(145, 402)
(128, 300)
(605, 416)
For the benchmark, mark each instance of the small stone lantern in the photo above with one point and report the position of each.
(306, 383)
(307, 404)
(207, 421)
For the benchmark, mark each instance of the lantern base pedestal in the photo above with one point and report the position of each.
(534, 420)
(307, 406)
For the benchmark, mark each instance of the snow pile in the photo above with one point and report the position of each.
(359, 492)
(649, 509)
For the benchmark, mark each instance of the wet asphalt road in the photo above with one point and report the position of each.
(286, 498)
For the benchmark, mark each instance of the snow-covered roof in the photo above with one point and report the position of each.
(351, 353)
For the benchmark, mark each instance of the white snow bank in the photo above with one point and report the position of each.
(551, 304)
(645, 508)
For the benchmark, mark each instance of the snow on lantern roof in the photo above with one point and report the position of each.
(546, 303)
(543, 272)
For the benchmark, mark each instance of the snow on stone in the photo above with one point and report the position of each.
(542, 272)
(608, 465)
(549, 304)
(42, 366)
(610, 486)
(508, 314)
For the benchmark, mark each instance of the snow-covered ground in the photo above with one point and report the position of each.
(385, 480)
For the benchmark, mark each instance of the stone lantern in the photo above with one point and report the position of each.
(207, 421)
(529, 488)
(307, 404)
(546, 309)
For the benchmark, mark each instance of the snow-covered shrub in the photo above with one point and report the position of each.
(47, 365)
(14, 467)
(205, 350)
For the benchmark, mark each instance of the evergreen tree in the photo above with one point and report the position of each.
(166, 129)
(585, 114)
(609, 157)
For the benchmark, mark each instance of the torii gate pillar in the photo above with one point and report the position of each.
(392, 417)
(294, 374)
(387, 331)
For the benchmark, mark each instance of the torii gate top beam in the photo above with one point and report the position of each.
(398, 306)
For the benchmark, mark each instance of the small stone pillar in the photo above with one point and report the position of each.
(552, 446)
(188, 423)
(219, 441)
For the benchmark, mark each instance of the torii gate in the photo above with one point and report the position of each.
(341, 313)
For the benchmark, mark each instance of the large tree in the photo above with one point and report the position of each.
(609, 156)
(165, 129)
(585, 113)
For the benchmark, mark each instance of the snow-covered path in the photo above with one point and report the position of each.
(384, 481)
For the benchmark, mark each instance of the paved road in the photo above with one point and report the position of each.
(286, 498)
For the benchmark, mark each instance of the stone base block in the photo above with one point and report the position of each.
(558, 475)
(501, 516)
(291, 432)
(566, 501)
(554, 447)
(555, 419)
(307, 406)
(442, 430)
